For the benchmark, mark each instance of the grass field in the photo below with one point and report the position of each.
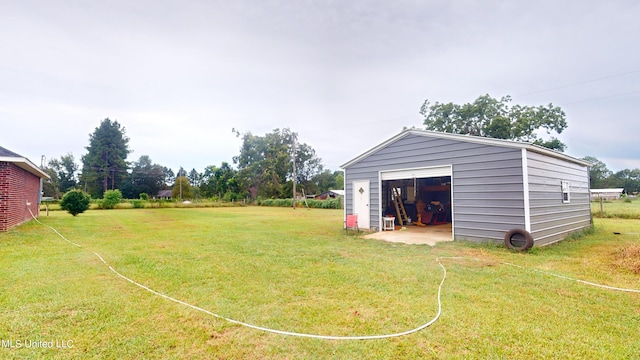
(295, 270)
(628, 208)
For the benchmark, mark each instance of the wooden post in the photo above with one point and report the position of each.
(601, 208)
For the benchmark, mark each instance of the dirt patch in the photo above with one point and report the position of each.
(628, 259)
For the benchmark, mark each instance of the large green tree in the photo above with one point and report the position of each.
(308, 166)
(181, 189)
(497, 118)
(265, 162)
(194, 178)
(51, 186)
(328, 180)
(169, 176)
(627, 179)
(66, 169)
(146, 177)
(62, 176)
(220, 181)
(599, 174)
(104, 166)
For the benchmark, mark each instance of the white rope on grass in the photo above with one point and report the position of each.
(328, 337)
(275, 331)
(52, 228)
(577, 280)
(282, 332)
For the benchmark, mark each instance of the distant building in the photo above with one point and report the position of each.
(164, 194)
(606, 194)
(331, 194)
(20, 189)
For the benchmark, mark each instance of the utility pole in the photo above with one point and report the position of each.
(179, 179)
(294, 170)
(105, 172)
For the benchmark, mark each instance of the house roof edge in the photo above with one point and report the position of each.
(25, 164)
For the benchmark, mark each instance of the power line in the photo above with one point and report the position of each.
(579, 83)
(604, 97)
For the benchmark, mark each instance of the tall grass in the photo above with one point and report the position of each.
(298, 271)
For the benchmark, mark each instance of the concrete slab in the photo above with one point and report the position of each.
(429, 235)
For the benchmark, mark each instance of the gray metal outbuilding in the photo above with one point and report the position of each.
(483, 187)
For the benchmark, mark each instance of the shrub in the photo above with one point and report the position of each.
(318, 204)
(144, 196)
(138, 203)
(231, 196)
(111, 198)
(98, 204)
(75, 202)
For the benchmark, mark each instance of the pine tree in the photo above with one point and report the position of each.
(105, 165)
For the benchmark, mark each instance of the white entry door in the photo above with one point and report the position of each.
(361, 203)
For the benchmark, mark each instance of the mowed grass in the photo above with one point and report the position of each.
(295, 270)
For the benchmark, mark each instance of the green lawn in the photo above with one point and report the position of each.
(295, 270)
(628, 208)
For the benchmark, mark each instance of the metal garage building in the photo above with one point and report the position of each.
(483, 187)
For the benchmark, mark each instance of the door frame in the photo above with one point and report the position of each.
(362, 202)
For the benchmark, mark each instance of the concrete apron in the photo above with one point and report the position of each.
(429, 235)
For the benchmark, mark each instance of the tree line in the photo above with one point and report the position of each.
(603, 178)
(263, 168)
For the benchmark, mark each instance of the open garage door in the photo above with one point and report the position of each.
(429, 172)
(421, 197)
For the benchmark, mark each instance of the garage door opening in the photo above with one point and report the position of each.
(420, 206)
(425, 200)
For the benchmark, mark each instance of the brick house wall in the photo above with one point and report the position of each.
(17, 187)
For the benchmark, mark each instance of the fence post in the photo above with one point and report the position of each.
(601, 208)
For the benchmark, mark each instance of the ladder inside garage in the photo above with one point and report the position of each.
(400, 211)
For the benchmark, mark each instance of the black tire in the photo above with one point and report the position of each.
(518, 239)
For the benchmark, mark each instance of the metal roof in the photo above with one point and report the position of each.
(467, 138)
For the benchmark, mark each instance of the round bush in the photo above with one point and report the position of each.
(138, 204)
(111, 198)
(75, 202)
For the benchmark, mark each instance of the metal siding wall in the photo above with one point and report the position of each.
(551, 219)
(489, 199)
(487, 182)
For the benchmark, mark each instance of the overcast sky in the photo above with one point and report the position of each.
(344, 75)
